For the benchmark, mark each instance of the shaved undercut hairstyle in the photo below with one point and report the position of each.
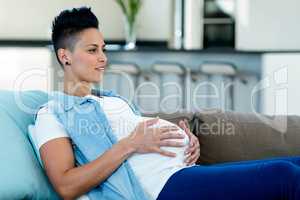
(67, 26)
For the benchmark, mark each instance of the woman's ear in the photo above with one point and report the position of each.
(64, 56)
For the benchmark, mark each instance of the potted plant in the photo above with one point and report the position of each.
(130, 9)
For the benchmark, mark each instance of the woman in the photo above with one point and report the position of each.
(133, 157)
(79, 48)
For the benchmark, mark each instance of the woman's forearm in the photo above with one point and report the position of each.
(78, 181)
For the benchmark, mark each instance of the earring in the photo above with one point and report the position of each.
(67, 63)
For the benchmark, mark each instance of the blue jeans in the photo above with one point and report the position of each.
(272, 179)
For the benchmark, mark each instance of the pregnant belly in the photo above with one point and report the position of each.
(154, 162)
(162, 123)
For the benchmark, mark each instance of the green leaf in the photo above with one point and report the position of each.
(122, 5)
(130, 8)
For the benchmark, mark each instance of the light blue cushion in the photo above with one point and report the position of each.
(32, 139)
(21, 176)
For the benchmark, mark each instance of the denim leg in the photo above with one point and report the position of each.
(271, 179)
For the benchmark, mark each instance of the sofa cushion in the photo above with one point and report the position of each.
(21, 176)
(232, 136)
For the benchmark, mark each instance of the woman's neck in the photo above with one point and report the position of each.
(77, 88)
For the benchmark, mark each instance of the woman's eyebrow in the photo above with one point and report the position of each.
(96, 45)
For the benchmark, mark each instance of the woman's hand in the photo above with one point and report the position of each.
(193, 151)
(146, 139)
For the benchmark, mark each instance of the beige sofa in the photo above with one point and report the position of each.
(247, 138)
(232, 136)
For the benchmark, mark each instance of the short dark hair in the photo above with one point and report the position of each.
(68, 24)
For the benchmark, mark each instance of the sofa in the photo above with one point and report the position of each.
(223, 136)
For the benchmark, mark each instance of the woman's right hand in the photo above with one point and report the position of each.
(147, 139)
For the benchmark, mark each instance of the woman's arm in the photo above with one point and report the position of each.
(71, 181)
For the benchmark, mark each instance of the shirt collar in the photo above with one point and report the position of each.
(69, 101)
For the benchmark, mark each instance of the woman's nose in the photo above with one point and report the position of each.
(102, 58)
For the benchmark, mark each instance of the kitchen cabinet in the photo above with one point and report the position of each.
(267, 25)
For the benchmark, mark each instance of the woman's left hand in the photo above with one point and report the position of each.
(192, 153)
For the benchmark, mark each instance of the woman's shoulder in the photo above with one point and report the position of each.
(45, 112)
(47, 127)
(45, 108)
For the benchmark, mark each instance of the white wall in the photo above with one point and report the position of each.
(25, 69)
(281, 73)
(31, 19)
(267, 25)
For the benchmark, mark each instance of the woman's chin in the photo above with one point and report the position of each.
(97, 79)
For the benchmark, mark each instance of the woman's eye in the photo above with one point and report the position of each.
(92, 50)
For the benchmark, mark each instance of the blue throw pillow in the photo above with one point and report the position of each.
(21, 176)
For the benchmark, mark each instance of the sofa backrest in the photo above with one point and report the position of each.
(21, 176)
(233, 136)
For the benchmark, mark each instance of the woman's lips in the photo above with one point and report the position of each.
(100, 68)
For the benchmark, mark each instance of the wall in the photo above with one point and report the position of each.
(280, 73)
(31, 19)
(25, 68)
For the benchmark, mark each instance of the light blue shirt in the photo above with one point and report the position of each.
(91, 135)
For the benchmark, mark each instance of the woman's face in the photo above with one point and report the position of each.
(88, 60)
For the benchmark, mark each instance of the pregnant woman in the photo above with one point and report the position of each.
(95, 145)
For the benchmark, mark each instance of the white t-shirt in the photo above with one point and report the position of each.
(151, 169)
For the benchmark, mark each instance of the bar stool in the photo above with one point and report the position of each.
(198, 90)
(244, 83)
(148, 92)
(122, 78)
(220, 76)
(172, 84)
